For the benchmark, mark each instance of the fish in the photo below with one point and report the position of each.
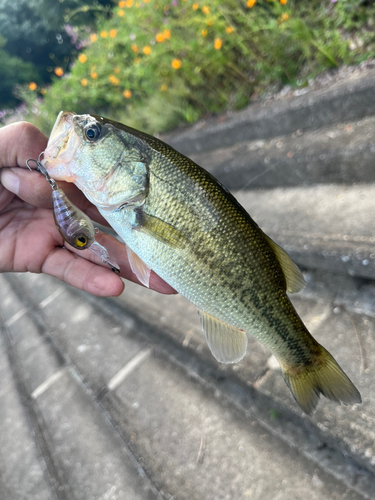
(182, 223)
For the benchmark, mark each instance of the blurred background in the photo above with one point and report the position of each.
(159, 64)
(120, 398)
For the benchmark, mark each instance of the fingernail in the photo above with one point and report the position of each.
(10, 180)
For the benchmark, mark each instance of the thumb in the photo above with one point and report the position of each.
(31, 187)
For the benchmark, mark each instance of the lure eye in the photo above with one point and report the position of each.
(92, 132)
(81, 241)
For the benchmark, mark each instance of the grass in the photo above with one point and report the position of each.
(157, 64)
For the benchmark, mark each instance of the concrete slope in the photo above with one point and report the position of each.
(351, 98)
(343, 153)
(129, 410)
(329, 227)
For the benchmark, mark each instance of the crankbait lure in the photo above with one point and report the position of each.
(74, 226)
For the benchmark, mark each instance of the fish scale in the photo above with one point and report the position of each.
(185, 226)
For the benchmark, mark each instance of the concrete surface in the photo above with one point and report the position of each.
(172, 425)
(121, 399)
(351, 98)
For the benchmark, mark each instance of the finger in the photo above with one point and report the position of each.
(33, 188)
(19, 142)
(5, 196)
(80, 273)
(117, 252)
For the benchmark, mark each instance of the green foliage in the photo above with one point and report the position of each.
(156, 64)
(14, 71)
(37, 32)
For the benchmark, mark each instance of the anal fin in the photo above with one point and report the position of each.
(227, 344)
(139, 268)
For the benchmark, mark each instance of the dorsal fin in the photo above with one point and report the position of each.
(139, 268)
(295, 281)
(227, 344)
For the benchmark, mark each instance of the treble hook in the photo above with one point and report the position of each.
(42, 170)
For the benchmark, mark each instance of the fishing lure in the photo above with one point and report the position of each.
(74, 226)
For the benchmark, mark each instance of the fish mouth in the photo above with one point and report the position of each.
(61, 148)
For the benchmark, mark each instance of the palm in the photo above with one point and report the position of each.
(23, 227)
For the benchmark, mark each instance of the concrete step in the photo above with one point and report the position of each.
(22, 470)
(341, 153)
(136, 371)
(327, 227)
(83, 455)
(346, 100)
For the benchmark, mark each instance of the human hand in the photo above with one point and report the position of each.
(29, 240)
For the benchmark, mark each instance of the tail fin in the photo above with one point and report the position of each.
(322, 377)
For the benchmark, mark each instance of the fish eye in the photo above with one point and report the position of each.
(92, 131)
(80, 241)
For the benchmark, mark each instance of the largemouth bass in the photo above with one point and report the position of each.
(179, 221)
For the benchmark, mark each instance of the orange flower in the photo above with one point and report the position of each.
(135, 48)
(137, 60)
(94, 75)
(113, 79)
(146, 1)
(205, 9)
(128, 3)
(121, 4)
(127, 94)
(32, 86)
(195, 6)
(283, 2)
(93, 37)
(147, 50)
(159, 37)
(229, 29)
(43, 91)
(120, 13)
(251, 3)
(163, 88)
(82, 58)
(176, 63)
(58, 71)
(284, 17)
(167, 34)
(218, 43)
(104, 34)
(204, 32)
(113, 33)
(84, 82)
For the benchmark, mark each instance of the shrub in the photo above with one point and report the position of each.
(156, 64)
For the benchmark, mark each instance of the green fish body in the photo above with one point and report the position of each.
(179, 221)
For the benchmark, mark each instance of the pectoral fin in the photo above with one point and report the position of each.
(162, 231)
(227, 344)
(295, 281)
(139, 268)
